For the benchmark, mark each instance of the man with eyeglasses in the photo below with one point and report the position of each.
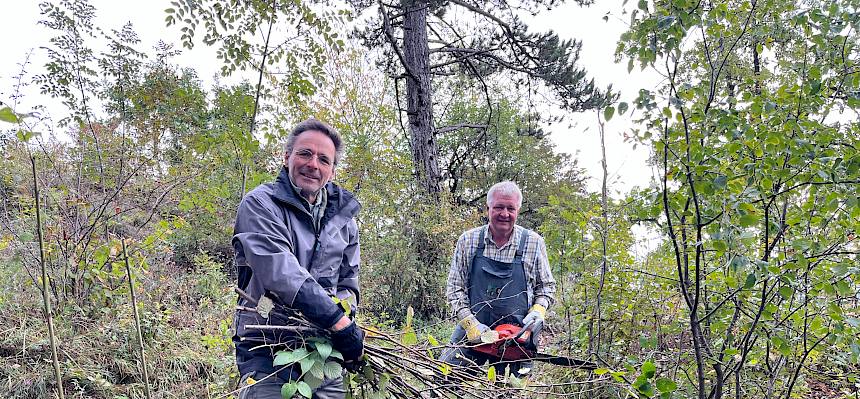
(296, 249)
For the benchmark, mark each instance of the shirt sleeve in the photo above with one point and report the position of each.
(263, 237)
(543, 285)
(456, 289)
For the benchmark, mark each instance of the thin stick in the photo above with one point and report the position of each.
(297, 329)
(136, 321)
(47, 303)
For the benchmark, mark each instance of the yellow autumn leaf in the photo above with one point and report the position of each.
(371, 331)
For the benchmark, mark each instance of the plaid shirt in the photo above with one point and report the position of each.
(541, 285)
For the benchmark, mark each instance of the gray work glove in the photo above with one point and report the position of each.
(536, 313)
(474, 328)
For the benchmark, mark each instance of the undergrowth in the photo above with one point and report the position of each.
(185, 318)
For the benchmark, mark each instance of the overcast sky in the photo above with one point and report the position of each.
(627, 167)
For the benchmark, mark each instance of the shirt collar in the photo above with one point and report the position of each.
(320, 194)
(515, 237)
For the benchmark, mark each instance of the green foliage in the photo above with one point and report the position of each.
(188, 343)
(71, 72)
(754, 281)
(574, 233)
(512, 146)
(408, 337)
(7, 115)
(317, 362)
(758, 201)
(646, 383)
(304, 32)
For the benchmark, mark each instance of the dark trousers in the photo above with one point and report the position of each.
(270, 388)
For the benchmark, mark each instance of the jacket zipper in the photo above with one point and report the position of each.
(316, 249)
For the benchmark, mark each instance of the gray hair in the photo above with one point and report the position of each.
(506, 187)
(320, 126)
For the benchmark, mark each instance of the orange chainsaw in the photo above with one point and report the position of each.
(517, 343)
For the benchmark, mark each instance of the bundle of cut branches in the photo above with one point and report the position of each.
(391, 368)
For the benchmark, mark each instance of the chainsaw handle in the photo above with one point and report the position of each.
(527, 334)
(526, 330)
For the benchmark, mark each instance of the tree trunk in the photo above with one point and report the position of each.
(604, 231)
(52, 338)
(137, 328)
(419, 102)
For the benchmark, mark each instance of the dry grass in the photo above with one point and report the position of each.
(185, 320)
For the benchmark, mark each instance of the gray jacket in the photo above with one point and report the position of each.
(278, 253)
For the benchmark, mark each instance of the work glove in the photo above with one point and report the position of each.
(536, 313)
(349, 341)
(474, 328)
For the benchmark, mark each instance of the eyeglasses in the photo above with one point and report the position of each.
(308, 155)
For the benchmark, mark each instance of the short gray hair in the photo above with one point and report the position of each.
(506, 187)
(320, 126)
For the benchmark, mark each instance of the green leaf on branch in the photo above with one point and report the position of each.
(317, 370)
(332, 370)
(324, 349)
(750, 281)
(665, 385)
(835, 311)
(839, 270)
(814, 87)
(720, 182)
(649, 369)
(308, 363)
(304, 389)
(289, 357)
(643, 386)
(7, 115)
(667, 112)
(312, 381)
(409, 337)
(288, 390)
(608, 112)
(748, 220)
(25, 135)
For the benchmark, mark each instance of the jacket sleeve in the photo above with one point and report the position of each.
(264, 238)
(349, 267)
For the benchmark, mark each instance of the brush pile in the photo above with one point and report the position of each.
(395, 365)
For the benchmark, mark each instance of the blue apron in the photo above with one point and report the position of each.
(498, 293)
